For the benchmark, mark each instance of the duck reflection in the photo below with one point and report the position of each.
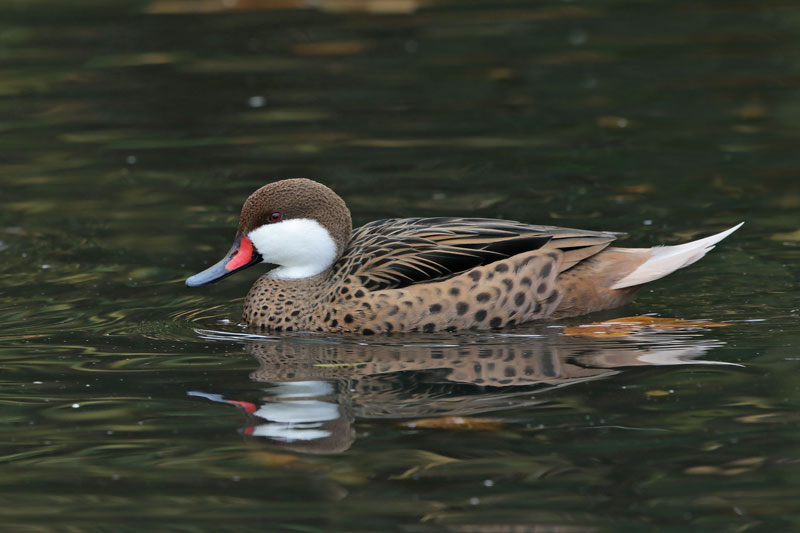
(318, 387)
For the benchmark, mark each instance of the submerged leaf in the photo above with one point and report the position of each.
(456, 422)
(425, 460)
(622, 327)
(275, 459)
(612, 122)
(789, 236)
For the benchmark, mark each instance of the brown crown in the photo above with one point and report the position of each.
(298, 198)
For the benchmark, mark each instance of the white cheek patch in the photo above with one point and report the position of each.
(301, 247)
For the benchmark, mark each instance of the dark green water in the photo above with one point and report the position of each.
(131, 132)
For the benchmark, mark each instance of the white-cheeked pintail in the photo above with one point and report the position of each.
(425, 274)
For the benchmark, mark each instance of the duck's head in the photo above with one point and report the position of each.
(299, 225)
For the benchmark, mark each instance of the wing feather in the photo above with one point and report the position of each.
(396, 253)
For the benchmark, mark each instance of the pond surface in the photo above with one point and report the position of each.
(131, 133)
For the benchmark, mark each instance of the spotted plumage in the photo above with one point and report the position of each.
(424, 274)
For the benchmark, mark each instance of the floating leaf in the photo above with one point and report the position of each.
(390, 7)
(752, 109)
(637, 189)
(501, 73)
(749, 461)
(274, 459)
(733, 468)
(456, 422)
(386, 7)
(612, 122)
(790, 236)
(133, 60)
(622, 327)
(702, 470)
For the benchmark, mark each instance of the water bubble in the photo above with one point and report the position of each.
(256, 101)
(577, 37)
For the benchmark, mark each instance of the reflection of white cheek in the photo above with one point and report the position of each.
(301, 389)
(298, 412)
(301, 247)
(295, 419)
(277, 431)
(289, 433)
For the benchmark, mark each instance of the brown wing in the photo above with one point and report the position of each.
(396, 253)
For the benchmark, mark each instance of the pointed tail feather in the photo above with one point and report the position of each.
(667, 259)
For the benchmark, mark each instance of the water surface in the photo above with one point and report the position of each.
(133, 131)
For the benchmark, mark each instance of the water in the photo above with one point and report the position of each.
(131, 133)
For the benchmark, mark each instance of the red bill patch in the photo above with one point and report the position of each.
(242, 256)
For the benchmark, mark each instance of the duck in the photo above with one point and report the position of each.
(425, 274)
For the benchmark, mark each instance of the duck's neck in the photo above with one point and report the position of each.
(289, 303)
(298, 272)
(306, 284)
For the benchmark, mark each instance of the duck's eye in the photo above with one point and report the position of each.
(275, 217)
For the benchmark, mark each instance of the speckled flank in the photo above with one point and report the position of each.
(515, 290)
(518, 289)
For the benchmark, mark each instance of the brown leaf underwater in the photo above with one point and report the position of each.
(462, 423)
(623, 327)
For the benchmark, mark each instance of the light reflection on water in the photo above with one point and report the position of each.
(319, 386)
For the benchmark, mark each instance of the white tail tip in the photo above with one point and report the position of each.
(665, 260)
